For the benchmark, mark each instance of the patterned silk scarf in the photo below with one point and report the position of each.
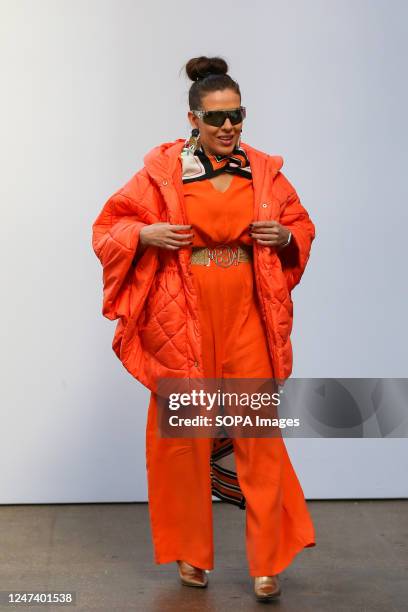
(198, 166)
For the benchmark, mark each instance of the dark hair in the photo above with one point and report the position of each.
(209, 74)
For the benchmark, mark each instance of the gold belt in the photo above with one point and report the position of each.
(223, 255)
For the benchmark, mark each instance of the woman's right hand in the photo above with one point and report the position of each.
(165, 235)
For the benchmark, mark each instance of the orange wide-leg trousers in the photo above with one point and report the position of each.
(278, 524)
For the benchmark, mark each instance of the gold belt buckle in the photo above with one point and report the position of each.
(223, 255)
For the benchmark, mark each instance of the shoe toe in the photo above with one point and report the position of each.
(191, 575)
(267, 587)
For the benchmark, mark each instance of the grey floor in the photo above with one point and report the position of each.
(103, 552)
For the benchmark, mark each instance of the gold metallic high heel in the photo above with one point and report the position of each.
(267, 587)
(191, 575)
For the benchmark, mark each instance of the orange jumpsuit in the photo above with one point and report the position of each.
(278, 524)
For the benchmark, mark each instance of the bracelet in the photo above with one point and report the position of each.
(287, 242)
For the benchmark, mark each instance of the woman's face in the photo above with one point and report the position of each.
(211, 136)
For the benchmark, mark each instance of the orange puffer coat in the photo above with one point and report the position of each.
(158, 333)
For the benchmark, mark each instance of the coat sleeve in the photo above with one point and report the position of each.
(115, 237)
(295, 255)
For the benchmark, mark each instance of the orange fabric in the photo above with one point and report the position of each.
(157, 333)
(234, 344)
(230, 343)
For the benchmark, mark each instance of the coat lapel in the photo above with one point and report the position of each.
(164, 166)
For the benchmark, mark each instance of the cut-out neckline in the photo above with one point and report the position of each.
(225, 190)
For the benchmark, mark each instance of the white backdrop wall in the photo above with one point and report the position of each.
(88, 88)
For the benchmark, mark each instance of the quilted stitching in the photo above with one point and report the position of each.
(163, 319)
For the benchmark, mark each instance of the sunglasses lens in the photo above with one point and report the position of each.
(235, 116)
(215, 118)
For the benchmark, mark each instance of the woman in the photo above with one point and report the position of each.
(200, 252)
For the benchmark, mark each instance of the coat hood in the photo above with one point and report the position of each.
(161, 161)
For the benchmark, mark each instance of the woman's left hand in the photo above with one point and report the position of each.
(269, 233)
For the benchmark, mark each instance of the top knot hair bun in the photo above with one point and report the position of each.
(199, 68)
(209, 74)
